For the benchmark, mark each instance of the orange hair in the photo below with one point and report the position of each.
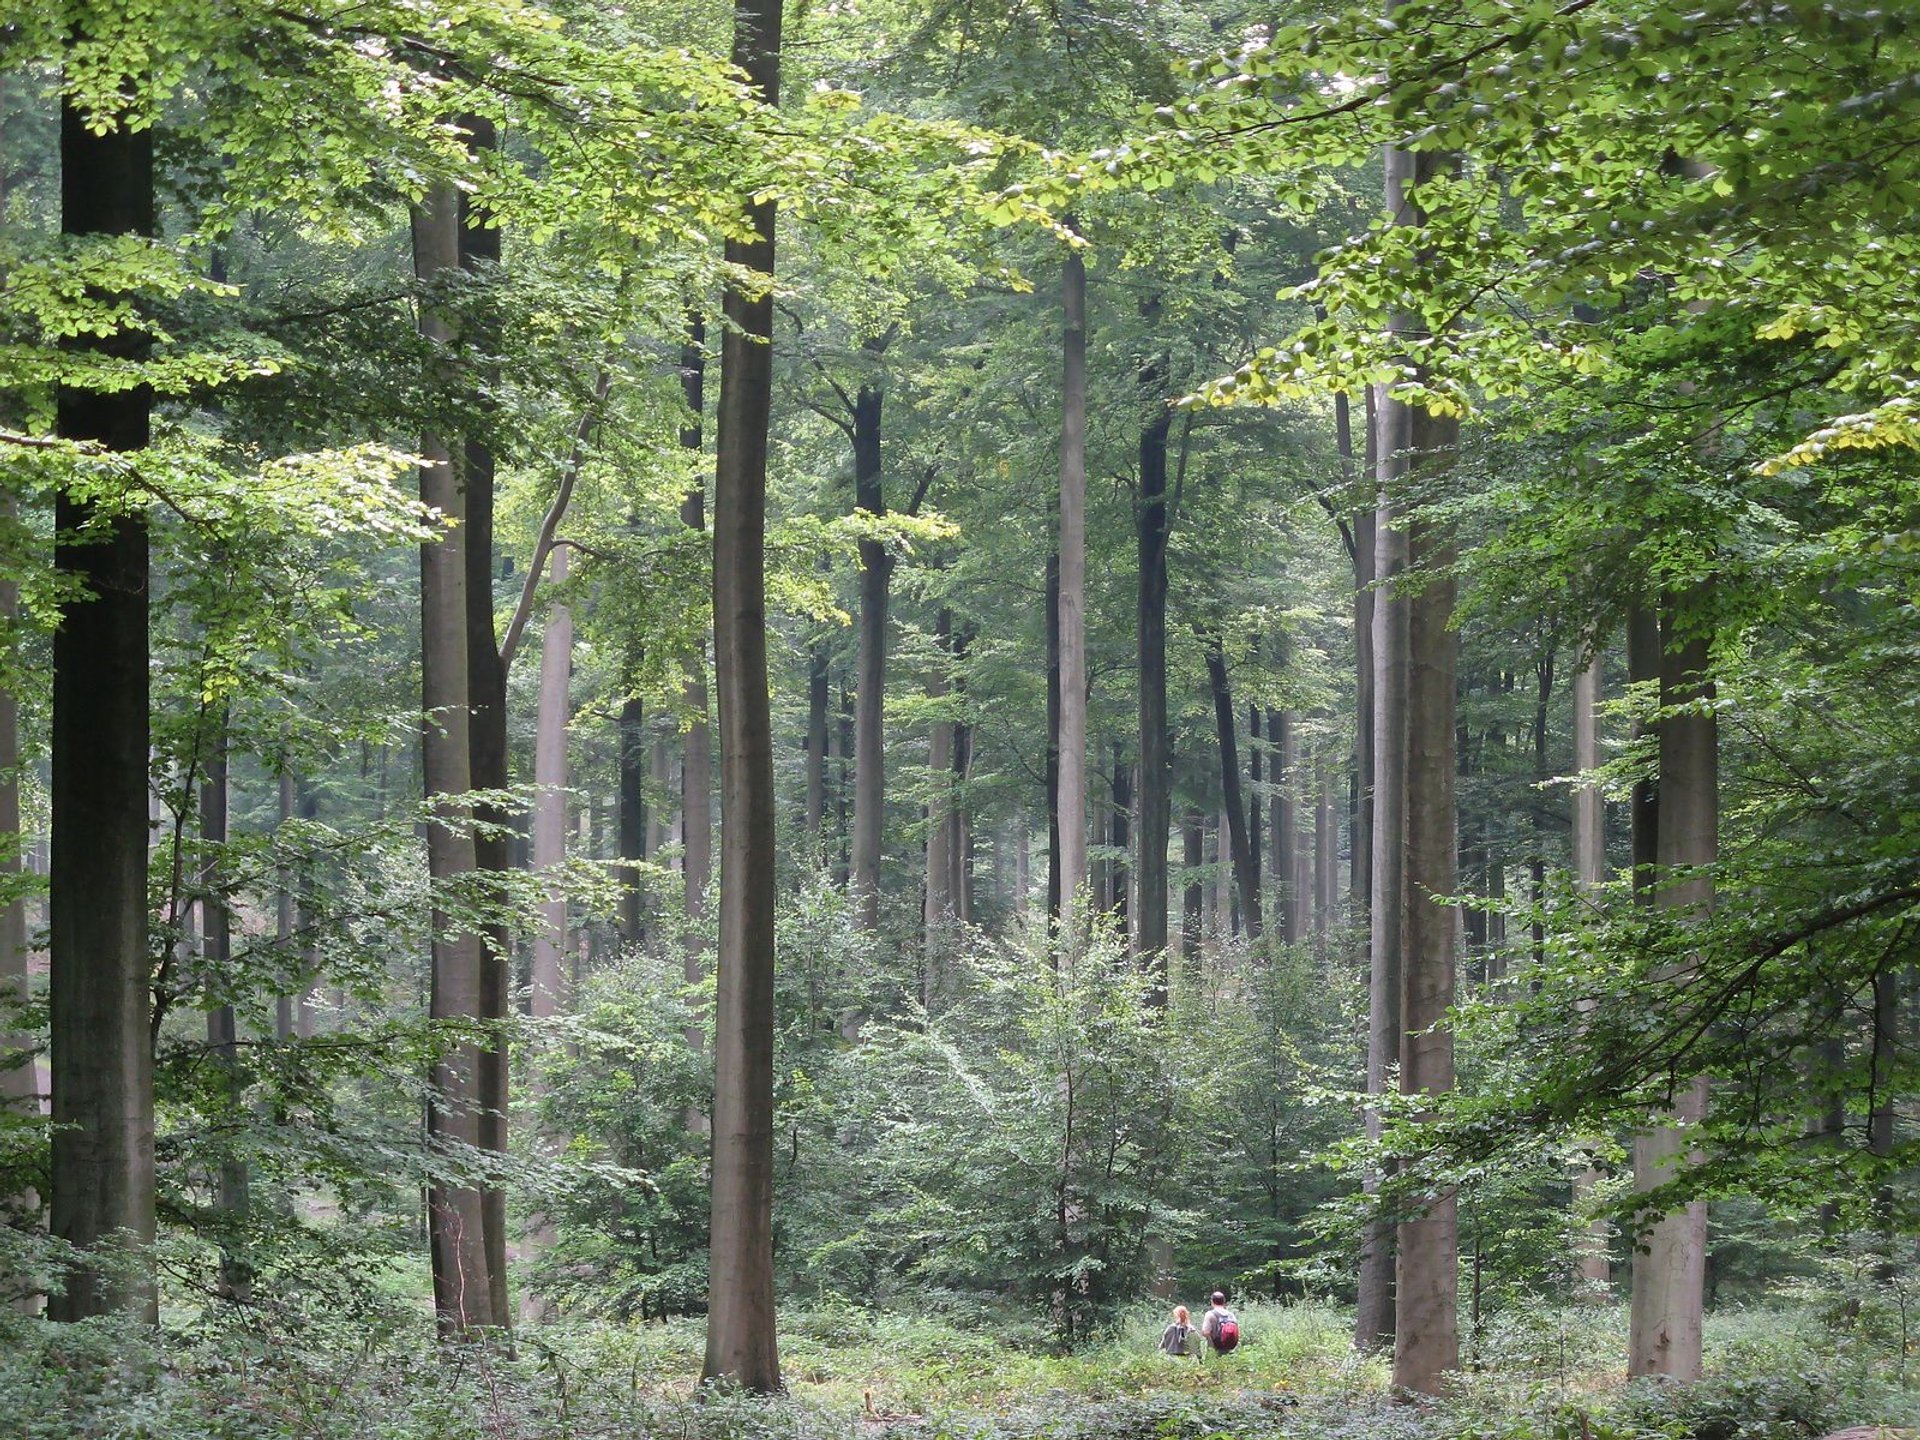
(1180, 1316)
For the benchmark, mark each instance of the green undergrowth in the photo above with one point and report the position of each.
(1541, 1374)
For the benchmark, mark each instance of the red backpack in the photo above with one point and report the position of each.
(1226, 1333)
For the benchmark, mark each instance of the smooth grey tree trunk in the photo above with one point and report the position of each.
(741, 1343)
(1669, 1262)
(1589, 873)
(1053, 738)
(102, 1166)
(549, 979)
(1072, 792)
(1374, 1315)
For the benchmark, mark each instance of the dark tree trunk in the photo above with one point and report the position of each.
(1254, 738)
(98, 983)
(633, 817)
(1246, 867)
(741, 1343)
(870, 685)
(463, 1296)
(1156, 768)
(938, 911)
(1360, 843)
(19, 1091)
(487, 731)
(817, 698)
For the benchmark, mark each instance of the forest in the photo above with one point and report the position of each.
(764, 720)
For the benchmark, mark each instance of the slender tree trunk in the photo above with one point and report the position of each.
(19, 1090)
(1072, 782)
(1283, 806)
(1254, 738)
(1053, 738)
(232, 1199)
(1326, 881)
(1537, 862)
(959, 817)
(817, 697)
(1669, 1265)
(633, 814)
(940, 859)
(1193, 895)
(456, 1221)
(1117, 838)
(660, 783)
(870, 686)
(843, 791)
(102, 1175)
(1156, 760)
(1360, 843)
(696, 750)
(1375, 1314)
(741, 1344)
(549, 988)
(1589, 873)
(1246, 865)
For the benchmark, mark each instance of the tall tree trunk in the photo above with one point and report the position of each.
(1254, 739)
(1117, 837)
(870, 686)
(938, 910)
(232, 1198)
(843, 791)
(19, 1090)
(696, 749)
(633, 814)
(959, 817)
(1072, 781)
(1192, 895)
(817, 698)
(1053, 738)
(1537, 862)
(479, 245)
(1326, 869)
(1246, 866)
(741, 1344)
(455, 1212)
(660, 783)
(1284, 748)
(1426, 1275)
(1375, 1313)
(549, 989)
(1156, 760)
(102, 1176)
(1589, 873)
(1360, 843)
(1669, 1265)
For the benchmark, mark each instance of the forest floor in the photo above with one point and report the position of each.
(1534, 1373)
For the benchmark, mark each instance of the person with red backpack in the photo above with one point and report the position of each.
(1220, 1326)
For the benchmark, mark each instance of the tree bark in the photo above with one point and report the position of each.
(938, 910)
(634, 824)
(1589, 873)
(1156, 763)
(232, 1197)
(817, 698)
(1254, 739)
(1072, 783)
(19, 1090)
(870, 685)
(1426, 1275)
(1326, 884)
(741, 1343)
(549, 988)
(1375, 1313)
(479, 245)
(1192, 896)
(1053, 738)
(102, 1167)
(1122, 810)
(696, 749)
(1246, 868)
(1360, 843)
(1669, 1265)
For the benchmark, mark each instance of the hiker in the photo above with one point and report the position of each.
(1173, 1340)
(1220, 1326)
